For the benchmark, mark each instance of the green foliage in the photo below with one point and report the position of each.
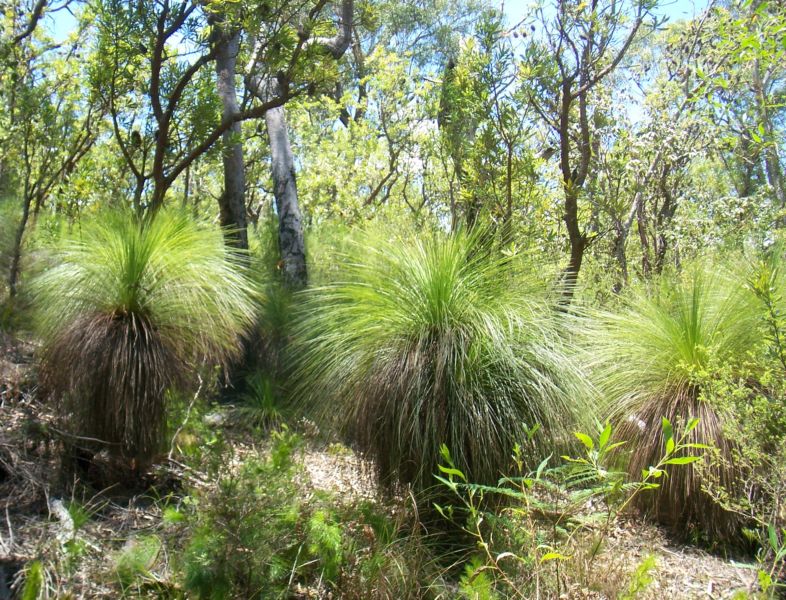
(754, 397)
(259, 403)
(8, 223)
(136, 559)
(326, 542)
(34, 581)
(128, 310)
(641, 579)
(256, 536)
(79, 513)
(436, 340)
(651, 360)
(172, 516)
(242, 543)
(476, 583)
(523, 544)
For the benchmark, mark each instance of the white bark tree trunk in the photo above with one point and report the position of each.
(232, 201)
(290, 226)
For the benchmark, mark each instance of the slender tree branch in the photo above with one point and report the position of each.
(35, 16)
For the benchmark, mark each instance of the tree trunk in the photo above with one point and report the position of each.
(232, 201)
(772, 162)
(290, 227)
(16, 256)
(664, 218)
(641, 220)
(578, 243)
(572, 182)
(620, 239)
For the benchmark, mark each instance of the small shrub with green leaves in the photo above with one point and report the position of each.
(528, 547)
(437, 340)
(134, 562)
(256, 536)
(128, 310)
(259, 404)
(244, 538)
(652, 358)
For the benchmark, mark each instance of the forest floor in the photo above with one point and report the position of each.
(34, 523)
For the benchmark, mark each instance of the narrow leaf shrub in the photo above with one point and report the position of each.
(652, 359)
(421, 342)
(256, 535)
(127, 310)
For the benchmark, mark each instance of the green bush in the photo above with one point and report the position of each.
(244, 535)
(755, 396)
(129, 309)
(258, 536)
(547, 539)
(134, 561)
(420, 342)
(259, 404)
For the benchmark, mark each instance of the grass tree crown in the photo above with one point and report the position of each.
(441, 339)
(127, 309)
(651, 360)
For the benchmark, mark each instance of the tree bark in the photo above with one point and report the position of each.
(290, 226)
(620, 239)
(641, 220)
(232, 201)
(16, 256)
(572, 182)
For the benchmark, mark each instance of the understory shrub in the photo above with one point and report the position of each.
(128, 310)
(441, 339)
(756, 397)
(548, 541)
(258, 536)
(652, 359)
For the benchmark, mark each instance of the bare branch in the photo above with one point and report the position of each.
(35, 16)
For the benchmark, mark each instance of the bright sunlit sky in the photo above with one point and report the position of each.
(673, 9)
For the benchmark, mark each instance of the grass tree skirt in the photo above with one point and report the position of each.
(656, 358)
(121, 369)
(682, 501)
(442, 340)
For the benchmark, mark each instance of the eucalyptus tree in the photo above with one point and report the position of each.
(574, 49)
(155, 70)
(654, 152)
(279, 42)
(747, 97)
(364, 138)
(486, 128)
(265, 82)
(375, 165)
(375, 32)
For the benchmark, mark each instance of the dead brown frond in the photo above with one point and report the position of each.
(680, 502)
(105, 371)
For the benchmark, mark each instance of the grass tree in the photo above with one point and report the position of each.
(654, 358)
(437, 340)
(128, 310)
